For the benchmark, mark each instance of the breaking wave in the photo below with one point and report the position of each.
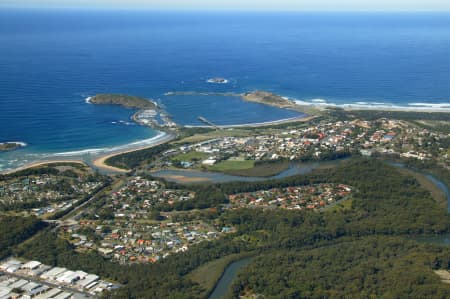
(435, 107)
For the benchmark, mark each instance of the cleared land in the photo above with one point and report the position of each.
(261, 169)
(190, 156)
(343, 205)
(216, 134)
(231, 165)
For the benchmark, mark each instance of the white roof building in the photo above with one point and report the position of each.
(90, 278)
(52, 273)
(13, 268)
(209, 162)
(18, 284)
(65, 276)
(64, 295)
(31, 265)
(51, 293)
(9, 263)
(4, 291)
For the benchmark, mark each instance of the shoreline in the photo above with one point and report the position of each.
(99, 162)
(73, 157)
(412, 107)
(320, 105)
(41, 163)
(304, 118)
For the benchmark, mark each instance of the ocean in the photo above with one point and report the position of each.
(52, 60)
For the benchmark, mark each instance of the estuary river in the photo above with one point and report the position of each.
(223, 285)
(197, 176)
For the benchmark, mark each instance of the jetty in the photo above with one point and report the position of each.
(209, 123)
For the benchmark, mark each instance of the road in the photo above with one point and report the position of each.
(71, 217)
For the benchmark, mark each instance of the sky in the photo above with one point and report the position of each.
(238, 4)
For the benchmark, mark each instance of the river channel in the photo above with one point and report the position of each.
(223, 285)
(197, 176)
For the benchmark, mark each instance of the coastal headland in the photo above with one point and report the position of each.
(268, 98)
(149, 112)
(145, 116)
(261, 97)
(10, 146)
(134, 102)
(127, 101)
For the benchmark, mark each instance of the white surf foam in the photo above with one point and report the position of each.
(97, 151)
(20, 143)
(216, 81)
(88, 100)
(439, 107)
(430, 105)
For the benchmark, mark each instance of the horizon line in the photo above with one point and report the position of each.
(209, 9)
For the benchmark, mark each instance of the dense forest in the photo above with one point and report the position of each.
(384, 201)
(14, 230)
(371, 267)
(431, 167)
(360, 247)
(134, 159)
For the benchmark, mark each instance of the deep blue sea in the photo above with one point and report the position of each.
(50, 61)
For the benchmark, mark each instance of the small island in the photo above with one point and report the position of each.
(149, 112)
(218, 80)
(10, 146)
(127, 101)
(268, 98)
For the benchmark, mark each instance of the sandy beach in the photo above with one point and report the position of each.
(322, 105)
(41, 163)
(100, 161)
(264, 124)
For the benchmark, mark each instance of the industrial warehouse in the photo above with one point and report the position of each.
(32, 279)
